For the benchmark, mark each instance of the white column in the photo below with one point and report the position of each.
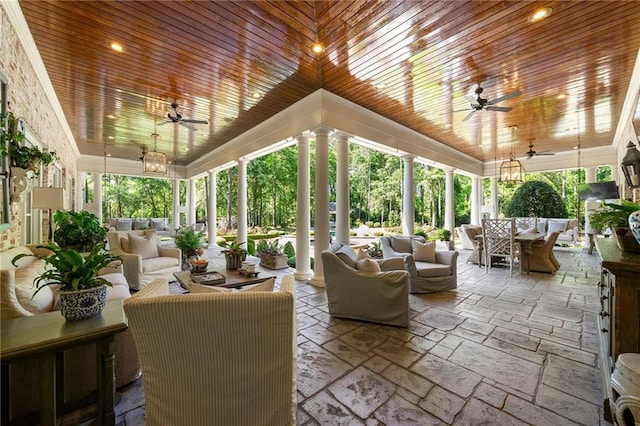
(449, 207)
(589, 205)
(321, 224)
(97, 195)
(191, 202)
(176, 203)
(81, 178)
(242, 202)
(615, 170)
(474, 218)
(212, 209)
(494, 197)
(589, 174)
(303, 219)
(408, 197)
(342, 188)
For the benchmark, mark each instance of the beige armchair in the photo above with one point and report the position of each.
(381, 297)
(439, 274)
(221, 358)
(143, 259)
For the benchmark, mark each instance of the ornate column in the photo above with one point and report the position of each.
(191, 202)
(476, 191)
(408, 197)
(449, 206)
(242, 202)
(494, 197)
(212, 209)
(342, 188)
(321, 197)
(303, 219)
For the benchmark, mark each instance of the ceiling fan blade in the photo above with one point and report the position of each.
(473, 101)
(469, 115)
(496, 108)
(459, 110)
(188, 126)
(195, 121)
(162, 123)
(545, 153)
(505, 97)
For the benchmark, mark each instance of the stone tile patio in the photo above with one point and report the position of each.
(497, 351)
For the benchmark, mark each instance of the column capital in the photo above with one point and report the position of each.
(408, 157)
(321, 130)
(341, 136)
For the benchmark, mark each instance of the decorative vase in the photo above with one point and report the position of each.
(83, 304)
(186, 262)
(634, 224)
(234, 260)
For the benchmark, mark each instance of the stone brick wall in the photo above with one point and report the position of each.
(28, 100)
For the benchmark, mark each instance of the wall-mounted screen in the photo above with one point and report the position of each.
(598, 191)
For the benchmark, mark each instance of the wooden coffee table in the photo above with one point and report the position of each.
(234, 279)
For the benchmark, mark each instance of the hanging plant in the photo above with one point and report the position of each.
(21, 155)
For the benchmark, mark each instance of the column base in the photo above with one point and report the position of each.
(317, 281)
(303, 275)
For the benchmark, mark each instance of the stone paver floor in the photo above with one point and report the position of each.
(497, 351)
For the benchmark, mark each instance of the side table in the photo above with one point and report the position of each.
(46, 334)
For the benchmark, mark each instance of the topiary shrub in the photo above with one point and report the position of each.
(289, 250)
(536, 198)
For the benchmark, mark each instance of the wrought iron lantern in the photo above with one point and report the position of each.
(631, 166)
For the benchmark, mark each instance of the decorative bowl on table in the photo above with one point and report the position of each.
(199, 265)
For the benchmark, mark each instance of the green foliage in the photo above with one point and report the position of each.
(269, 248)
(251, 246)
(444, 234)
(78, 230)
(69, 269)
(234, 247)
(292, 262)
(21, 155)
(289, 250)
(189, 241)
(536, 198)
(612, 215)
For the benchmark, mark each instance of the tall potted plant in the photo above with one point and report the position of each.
(83, 294)
(620, 217)
(190, 243)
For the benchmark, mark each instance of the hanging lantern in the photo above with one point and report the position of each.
(631, 166)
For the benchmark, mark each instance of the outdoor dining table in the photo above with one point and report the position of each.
(526, 248)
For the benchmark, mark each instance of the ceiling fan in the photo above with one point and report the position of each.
(531, 152)
(479, 103)
(174, 117)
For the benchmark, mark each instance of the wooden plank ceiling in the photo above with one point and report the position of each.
(237, 63)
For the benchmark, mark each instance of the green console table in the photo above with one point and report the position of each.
(44, 335)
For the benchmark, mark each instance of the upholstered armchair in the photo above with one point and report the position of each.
(143, 259)
(219, 358)
(365, 289)
(429, 270)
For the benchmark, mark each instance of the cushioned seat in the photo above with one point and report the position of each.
(429, 270)
(143, 258)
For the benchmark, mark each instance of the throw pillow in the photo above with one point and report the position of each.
(367, 265)
(199, 288)
(347, 255)
(557, 225)
(401, 245)
(146, 246)
(124, 244)
(541, 226)
(530, 231)
(139, 224)
(362, 254)
(124, 225)
(424, 252)
(158, 224)
(263, 286)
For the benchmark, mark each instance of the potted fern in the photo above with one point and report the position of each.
(190, 243)
(83, 294)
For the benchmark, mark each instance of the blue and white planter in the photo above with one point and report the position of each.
(83, 304)
(634, 224)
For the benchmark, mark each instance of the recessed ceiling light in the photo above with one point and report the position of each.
(561, 96)
(117, 46)
(256, 95)
(110, 137)
(108, 154)
(111, 117)
(539, 14)
(381, 86)
(317, 48)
